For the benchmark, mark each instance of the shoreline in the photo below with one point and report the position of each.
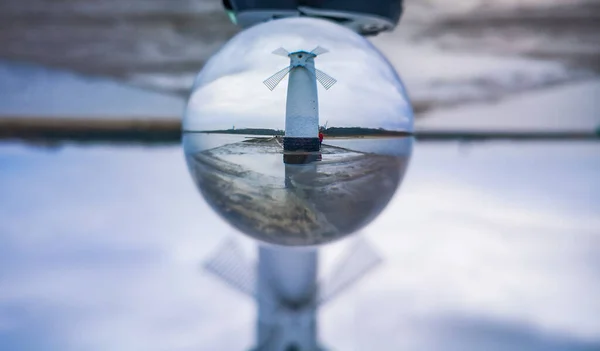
(168, 130)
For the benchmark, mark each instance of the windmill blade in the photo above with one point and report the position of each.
(229, 265)
(359, 260)
(274, 80)
(281, 52)
(325, 80)
(319, 51)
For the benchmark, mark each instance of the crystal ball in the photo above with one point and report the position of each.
(298, 132)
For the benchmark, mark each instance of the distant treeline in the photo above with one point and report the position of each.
(358, 131)
(121, 130)
(332, 131)
(247, 131)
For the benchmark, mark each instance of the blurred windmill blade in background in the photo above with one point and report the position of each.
(319, 51)
(281, 52)
(231, 266)
(358, 261)
(326, 80)
(274, 80)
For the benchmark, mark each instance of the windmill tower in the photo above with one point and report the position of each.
(302, 104)
(286, 288)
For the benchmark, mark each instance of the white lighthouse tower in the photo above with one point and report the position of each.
(302, 104)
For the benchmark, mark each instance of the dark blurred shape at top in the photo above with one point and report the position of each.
(364, 17)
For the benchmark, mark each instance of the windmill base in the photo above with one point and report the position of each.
(301, 144)
(301, 158)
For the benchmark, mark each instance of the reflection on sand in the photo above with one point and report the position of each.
(295, 204)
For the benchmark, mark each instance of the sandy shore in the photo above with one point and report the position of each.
(308, 204)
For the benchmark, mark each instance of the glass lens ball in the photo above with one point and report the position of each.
(298, 132)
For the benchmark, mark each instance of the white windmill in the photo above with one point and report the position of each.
(302, 104)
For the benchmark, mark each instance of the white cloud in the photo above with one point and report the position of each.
(102, 245)
(229, 90)
(32, 90)
(98, 254)
(460, 243)
(571, 107)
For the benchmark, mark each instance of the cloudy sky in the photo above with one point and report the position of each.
(487, 246)
(229, 90)
(32, 90)
(101, 249)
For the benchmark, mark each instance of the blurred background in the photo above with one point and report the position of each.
(487, 245)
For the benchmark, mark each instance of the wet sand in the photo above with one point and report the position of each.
(295, 204)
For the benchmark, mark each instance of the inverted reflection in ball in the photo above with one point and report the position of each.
(303, 147)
